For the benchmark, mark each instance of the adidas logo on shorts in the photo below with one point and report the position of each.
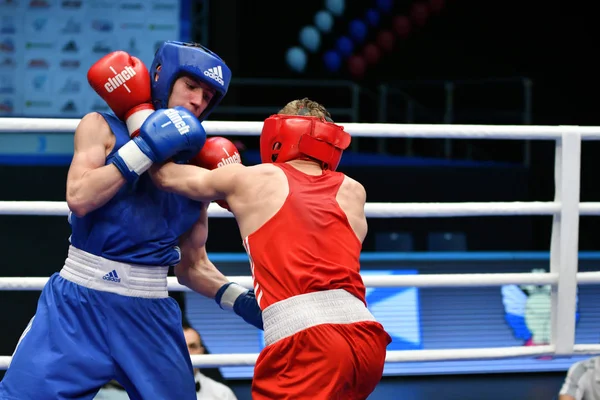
(112, 276)
(215, 73)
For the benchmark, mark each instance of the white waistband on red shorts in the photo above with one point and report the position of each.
(98, 273)
(298, 313)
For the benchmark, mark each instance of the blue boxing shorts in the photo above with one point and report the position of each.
(97, 321)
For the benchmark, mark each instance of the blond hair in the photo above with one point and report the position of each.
(305, 106)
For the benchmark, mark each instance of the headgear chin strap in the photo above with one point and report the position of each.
(175, 58)
(290, 137)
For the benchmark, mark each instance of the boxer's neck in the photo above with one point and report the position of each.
(306, 166)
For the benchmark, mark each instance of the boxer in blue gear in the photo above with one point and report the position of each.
(107, 314)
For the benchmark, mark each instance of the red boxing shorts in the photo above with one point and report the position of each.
(324, 362)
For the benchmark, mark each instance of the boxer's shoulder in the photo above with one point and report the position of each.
(354, 187)
(93, 128)
(110, 118)
(250, 172)
(352, 183)
(263, 172)
(267, 169)
(92, 119)
(255, 178)
(93, 123)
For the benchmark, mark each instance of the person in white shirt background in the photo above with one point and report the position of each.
(582, 381)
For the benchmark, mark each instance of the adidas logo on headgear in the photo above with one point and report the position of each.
(215, 73)
(112, 276)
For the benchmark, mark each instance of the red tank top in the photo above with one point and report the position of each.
(308, 245)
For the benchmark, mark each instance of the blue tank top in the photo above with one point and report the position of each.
(140, 224)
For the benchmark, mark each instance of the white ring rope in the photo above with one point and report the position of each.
(429, 131)
(427, 280)
(220, 360)
(372, 210)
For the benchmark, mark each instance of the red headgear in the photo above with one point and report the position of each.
(289, 137)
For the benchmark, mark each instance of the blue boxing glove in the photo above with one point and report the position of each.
(165, 133)
(242, 301)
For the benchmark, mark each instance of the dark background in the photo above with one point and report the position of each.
(553, 44)
(549, 42)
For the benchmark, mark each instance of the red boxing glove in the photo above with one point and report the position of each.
(217, 152)
(123, 82)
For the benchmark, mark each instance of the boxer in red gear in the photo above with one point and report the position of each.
(302, 225)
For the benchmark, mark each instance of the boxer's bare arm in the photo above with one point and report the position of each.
(91, 183)
(197, 183)
(195, 270)
(352, 198)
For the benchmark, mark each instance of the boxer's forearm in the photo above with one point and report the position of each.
(195, 270)
(93, 189)
(203, 278)
(186, 180)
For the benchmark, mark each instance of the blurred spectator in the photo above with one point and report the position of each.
(207, 388)
(582, 380)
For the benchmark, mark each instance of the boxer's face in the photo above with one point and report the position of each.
(191, 94)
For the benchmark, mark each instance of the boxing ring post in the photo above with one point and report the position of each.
(566, 209)
(564, 242)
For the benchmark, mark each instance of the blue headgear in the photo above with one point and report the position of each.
(176, 58)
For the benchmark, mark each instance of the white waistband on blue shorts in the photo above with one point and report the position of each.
(98, 273)
(298, 313)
